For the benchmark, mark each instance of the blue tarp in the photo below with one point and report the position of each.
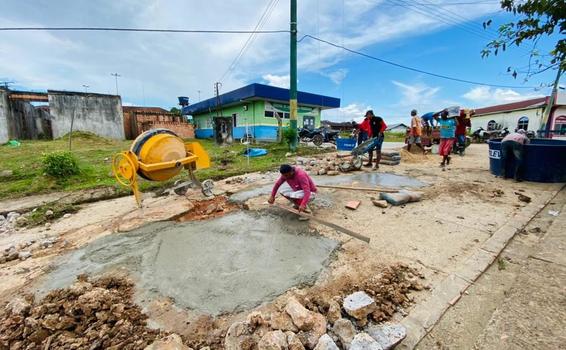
(255, 152)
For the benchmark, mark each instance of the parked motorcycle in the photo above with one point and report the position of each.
(480, 135)
(317, 136)
(503, 133)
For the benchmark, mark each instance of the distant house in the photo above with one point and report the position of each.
(400, 127)
(525, 115)
(255, 109)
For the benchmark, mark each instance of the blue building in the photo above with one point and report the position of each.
(255, 110)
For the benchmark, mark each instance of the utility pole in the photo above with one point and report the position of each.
(217, 87)
(116, 75)
(198, 95)
(293, 73)
(86, 87)
(551, 100)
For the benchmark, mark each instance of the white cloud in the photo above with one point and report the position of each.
(337, 76)
(416, 94)
(485, 95)
(353, 111)
(283, 81)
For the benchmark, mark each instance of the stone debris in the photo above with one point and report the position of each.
(359, 305)
(170, 342)
(6, 173)
(293, 341)
(388, 335)
(302, 318)
(49, 213)
(282, 321)
(24, 255)
(310, 338)
(274, 340)
(363, 341)
(326, 343)
(380, 203)
(334, 311)
(99, 315)
(66, 216)
(345, 331)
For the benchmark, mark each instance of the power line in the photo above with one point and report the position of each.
(265, 15)
(414, 69)
(116, 29)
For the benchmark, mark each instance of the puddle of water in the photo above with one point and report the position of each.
(363, 179)
(226, 264)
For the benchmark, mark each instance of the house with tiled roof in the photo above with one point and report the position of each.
(526, 114)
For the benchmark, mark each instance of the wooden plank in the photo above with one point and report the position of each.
(374, 189)
(326, 223)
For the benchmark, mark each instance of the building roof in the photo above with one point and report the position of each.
(393, 126)
(526, 104)
(262, 92)
(144, 109)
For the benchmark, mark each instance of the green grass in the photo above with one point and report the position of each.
(394, 137)
(94, 155)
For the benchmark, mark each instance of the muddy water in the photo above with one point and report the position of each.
(362, 179)
(226, 264)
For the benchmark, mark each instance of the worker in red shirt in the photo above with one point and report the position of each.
(464, 124)
(375, 128)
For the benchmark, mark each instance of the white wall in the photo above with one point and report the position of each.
(4, 110)
(510, 119)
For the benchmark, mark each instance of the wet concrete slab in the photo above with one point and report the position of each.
(360, 178)
(226, 264)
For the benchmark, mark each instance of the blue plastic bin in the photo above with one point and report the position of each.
(345, 144)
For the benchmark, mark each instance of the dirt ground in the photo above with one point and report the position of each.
(462, 207)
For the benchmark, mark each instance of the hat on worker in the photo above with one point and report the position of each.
(414, 112)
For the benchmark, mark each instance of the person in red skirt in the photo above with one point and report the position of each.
(447, 136)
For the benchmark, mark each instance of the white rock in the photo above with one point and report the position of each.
(276, 340)
(47, 225)
(2, 219)
(49, 212)
(326, 343)
(17, 306)
(359, 305)
(293, 342)
(388, 335)
(363, 341)
(68, 215)
(6, 173)
(345, 331)
(334, 312)
(24, 255)
(12, 216)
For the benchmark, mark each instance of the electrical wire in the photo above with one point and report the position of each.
(412, 68)
(115, 29)
(264, 17)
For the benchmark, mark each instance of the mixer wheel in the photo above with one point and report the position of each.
(207, 187)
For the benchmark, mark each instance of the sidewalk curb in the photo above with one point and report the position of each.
(424, 317)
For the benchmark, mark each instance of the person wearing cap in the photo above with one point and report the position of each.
(512, 148)
(302, 188)
(375, 128)
(415, 132)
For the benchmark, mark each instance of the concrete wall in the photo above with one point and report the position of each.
(4, 112)
(510, 119)
(96, 113)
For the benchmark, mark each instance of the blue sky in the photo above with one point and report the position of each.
(431, 35)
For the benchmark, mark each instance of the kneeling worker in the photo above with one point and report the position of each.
(302, 187)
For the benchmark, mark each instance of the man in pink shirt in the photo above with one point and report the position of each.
(302, 187)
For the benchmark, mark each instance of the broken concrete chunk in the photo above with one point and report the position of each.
(326, 343)
(363, 341)
(388, 335)
(380, 203)
(302, 318)
(332, 172)
(345, 331)
(275, 340)
(310, 338)
(170, 342)
(353, 205)
(334, 311)
(237, 335)
(24, 255)
(321, 171)
(293, 341)
(18, 306)
(282, 321)
(359, 305)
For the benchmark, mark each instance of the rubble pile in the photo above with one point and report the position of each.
(26, 250)
(97, 314)
(9, 222)
(351, 319)
(324, 166)
(208, 208)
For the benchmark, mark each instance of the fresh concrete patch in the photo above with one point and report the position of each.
(226, 264)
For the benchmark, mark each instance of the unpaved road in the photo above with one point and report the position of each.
(520, 302)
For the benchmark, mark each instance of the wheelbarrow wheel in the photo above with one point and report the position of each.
(207, 187)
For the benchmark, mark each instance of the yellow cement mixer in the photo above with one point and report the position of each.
(159, 155)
